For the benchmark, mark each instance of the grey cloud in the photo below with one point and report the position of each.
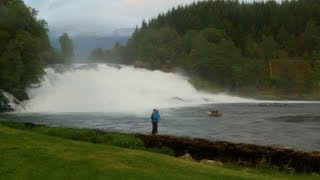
(99, 16)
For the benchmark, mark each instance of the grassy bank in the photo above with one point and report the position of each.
(39, 154)
(251, 92)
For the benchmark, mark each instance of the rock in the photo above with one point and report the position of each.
(177, 98)
(187, 157)
(211, 162)
(7, 101)
(239, 153)
(4, 107)
(139, 64)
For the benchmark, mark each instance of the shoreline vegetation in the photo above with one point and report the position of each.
(264, 49)
(208, 86)
(220, 154)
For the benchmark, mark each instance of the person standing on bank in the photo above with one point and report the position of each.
(155, 116)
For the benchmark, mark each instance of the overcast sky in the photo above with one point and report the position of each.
(99, 16)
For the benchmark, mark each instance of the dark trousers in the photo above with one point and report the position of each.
(154, 127)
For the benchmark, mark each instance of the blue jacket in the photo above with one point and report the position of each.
(155, 116)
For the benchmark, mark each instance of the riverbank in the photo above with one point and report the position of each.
(271, 159)
(252, 92)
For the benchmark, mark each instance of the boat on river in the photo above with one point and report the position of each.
(214, 113)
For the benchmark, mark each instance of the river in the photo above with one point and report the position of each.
(121, 98)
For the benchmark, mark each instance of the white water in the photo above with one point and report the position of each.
(13, 102)
(107, 88)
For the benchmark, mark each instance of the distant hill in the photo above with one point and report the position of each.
(85, 44)
(124, 32)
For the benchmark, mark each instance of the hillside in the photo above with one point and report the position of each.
(244, 48)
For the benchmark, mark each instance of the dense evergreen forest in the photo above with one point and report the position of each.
(24, 49)
(240, 47)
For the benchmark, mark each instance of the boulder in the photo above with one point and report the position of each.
(187, 157)
(4, 107)
(211, 162)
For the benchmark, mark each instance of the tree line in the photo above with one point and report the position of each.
(25, 49)
(241, 47)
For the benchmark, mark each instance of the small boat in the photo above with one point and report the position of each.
(214, 113)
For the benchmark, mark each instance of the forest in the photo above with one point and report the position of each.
(25, 49)
(243, 48)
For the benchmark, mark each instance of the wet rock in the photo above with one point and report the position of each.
(4, 107)
(187, 157)
(211, 162)
(117, 66)
(177, 98)
(139, 64)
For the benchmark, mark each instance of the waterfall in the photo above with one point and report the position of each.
(114, 88)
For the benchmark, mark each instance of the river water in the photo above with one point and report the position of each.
(289, 125)
(121, 99)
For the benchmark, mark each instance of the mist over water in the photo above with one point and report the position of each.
(118, 89)
(121, 98)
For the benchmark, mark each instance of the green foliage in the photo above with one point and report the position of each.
(201, 83)
(67, 48)
(89, 135)
(238, 46)
(15, 125)
(111, 56)
(162, 150)
(24, 46)
(268, 47)
(97, 55)
(28, 155)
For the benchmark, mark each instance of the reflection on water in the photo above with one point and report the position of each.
(293, 125)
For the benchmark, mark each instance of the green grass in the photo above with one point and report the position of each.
(90, 135)
(33, 155)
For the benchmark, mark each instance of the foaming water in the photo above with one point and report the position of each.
(110, 88)
(121, 98)
(13, 102)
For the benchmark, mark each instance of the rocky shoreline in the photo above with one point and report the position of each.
(248, 155)
(243, 154)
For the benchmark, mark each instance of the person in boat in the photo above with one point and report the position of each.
(155, 116)
(213, 112)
